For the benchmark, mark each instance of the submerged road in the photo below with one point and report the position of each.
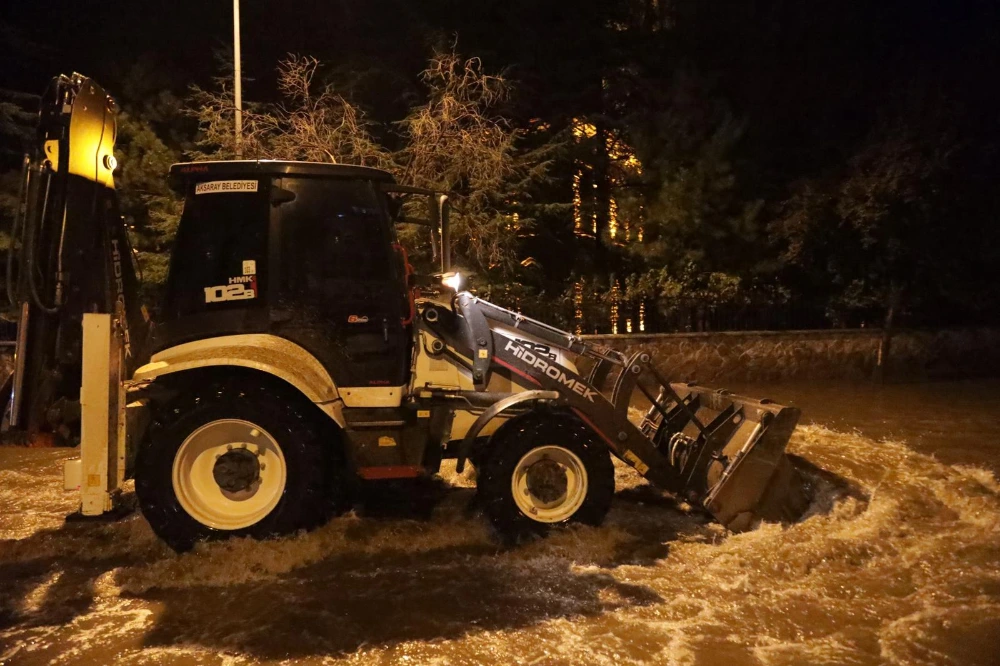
(898, 562)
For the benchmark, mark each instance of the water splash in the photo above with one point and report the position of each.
(898, 561)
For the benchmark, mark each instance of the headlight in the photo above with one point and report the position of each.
(453, 281)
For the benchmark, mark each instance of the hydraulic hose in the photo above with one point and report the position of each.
(29, 251)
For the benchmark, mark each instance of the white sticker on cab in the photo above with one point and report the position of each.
(217, 186)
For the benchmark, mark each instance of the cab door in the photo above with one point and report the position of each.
(339, 281)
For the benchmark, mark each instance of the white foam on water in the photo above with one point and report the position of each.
(239, 561)
(898, 561)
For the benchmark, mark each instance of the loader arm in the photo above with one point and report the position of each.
(712, 448)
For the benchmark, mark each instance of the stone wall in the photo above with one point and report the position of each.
(842, 354)
(777, 355)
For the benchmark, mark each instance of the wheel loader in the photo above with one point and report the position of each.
(293, 358)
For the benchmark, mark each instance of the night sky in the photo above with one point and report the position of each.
(809, 83)
(809, 47)
(98, 38)
(807, 75)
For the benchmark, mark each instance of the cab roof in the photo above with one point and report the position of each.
(194, 171)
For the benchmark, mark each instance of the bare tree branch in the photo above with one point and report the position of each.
(456, 141)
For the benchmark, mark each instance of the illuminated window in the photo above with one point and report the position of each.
(615, 297)
(578, 307)
(612, 217)
(583, 130)
(594, 226)
(577, 204)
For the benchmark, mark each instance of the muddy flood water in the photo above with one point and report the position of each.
(897, 562)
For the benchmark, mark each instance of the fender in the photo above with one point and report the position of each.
(260, 351)
(494, 410)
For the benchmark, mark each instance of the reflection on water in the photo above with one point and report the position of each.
(898, 562)
(956, 422)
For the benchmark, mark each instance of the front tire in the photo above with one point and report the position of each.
(236, 459)
(544, 470)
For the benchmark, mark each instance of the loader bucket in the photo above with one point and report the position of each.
(730, 453)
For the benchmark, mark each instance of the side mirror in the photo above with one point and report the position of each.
(438, 214)
(440, 211)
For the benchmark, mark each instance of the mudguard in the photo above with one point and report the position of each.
(267, 353)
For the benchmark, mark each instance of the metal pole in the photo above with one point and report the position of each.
(237, 79)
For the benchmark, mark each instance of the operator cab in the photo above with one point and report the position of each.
(305, 251)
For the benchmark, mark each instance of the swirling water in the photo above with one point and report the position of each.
(897, 562)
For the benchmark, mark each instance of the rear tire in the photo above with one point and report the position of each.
(237, 459)
(544, 470)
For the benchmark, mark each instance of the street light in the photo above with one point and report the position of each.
(236, 79)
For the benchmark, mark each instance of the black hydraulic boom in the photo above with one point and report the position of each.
(67, 215)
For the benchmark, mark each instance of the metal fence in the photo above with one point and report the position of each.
(698, 317)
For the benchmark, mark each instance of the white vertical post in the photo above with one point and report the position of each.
(20, 360)
(237, 79)
(102, 404)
